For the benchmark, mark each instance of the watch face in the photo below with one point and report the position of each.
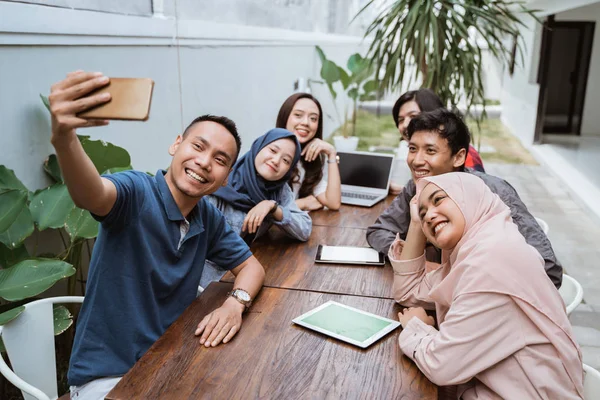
(242, 295)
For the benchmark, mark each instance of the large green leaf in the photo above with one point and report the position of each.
(12, 203)
(51, 207)
(106, 155)
(32, 277)
(19, 230)
(321, 54)
(10, 257)
(51, 167)
(344, 78)
(356, 63)
(330, 72)
(13, 197)
(80, 224)
(11, 314)
(370, 86)
(8, 180)
(62, 319)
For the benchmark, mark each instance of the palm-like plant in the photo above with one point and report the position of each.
(439, 40)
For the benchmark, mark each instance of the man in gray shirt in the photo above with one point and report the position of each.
(438, 144)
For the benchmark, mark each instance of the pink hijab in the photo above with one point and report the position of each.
(493, 257)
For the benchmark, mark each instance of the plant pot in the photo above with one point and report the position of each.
(345, 144)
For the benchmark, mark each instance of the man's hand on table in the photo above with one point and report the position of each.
(221, 324)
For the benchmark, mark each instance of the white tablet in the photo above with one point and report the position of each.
(349, 255)
(349, 324)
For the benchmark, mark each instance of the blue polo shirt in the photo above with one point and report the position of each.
(141, 278)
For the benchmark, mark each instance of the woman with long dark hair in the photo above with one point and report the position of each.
(316, 179)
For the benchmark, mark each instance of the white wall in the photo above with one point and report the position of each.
(590, 125)
(520, 91)
(242, 72)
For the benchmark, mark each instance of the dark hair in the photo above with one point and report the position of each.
(225, 123)
(426, 99)
(447, 124)
(314, 169)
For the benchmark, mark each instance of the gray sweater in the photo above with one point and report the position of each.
(396, 219)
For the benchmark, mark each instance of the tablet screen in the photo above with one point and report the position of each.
(347, 323)
(349, 255)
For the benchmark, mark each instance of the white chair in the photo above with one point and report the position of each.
(29, 342)
(591, 383)
(571, 292)
(543, 224)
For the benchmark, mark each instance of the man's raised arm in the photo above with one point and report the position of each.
(87, 189)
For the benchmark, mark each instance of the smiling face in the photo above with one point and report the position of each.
(441, 219)
(407, 112)
(304, 120)
(429, 154)
(275, 159)
(201, 161)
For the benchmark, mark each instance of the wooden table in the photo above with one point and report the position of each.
(291, 264)
(272, 358)
(351, 216)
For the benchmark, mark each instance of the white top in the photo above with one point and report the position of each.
(320, 188)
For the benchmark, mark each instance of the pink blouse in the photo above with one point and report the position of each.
(486, 344)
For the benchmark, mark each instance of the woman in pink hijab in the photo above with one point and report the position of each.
(503, 331)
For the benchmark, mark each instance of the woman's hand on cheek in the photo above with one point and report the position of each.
(415, 312)
(256, 216)
(315, 147)
(414, 211)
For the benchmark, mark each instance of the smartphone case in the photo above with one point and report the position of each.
(130, 100)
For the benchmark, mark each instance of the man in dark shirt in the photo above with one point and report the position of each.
(438, 144)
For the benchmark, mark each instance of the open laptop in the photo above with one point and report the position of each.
(365, 177)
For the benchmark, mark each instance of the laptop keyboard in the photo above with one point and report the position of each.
(359, 195)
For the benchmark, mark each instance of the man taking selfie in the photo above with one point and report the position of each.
(155, 235)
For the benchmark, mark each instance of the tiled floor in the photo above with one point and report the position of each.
(575, 236)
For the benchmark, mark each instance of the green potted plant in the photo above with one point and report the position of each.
(25, 274)
(442, 42)
(359, 86)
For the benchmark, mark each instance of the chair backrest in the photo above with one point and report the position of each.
(591, 383)
(543, 224)
(29, 343)
(571, 293)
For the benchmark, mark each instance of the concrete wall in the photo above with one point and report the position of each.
(328, 16)
(198, 67)
(131, 7)
(520, 91)
(590, 125)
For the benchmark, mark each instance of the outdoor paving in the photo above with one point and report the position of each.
(575, 236)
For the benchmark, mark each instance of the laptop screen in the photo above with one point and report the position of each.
(366, 170)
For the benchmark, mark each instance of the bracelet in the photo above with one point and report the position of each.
(337, 160)
(274, 208)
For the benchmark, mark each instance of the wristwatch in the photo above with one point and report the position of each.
(242, 296)
(337, 160)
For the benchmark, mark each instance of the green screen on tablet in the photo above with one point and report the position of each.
(347, 323)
